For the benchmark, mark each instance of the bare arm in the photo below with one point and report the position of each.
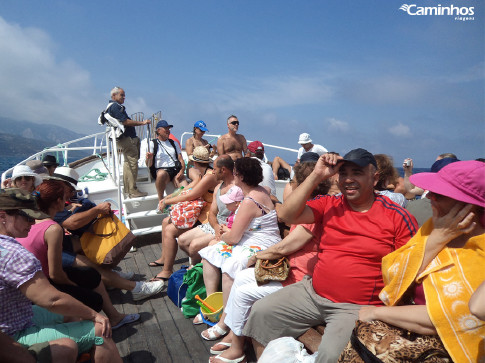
(457, 221)
(408, 171)
(244, 145)
(214, 209)
(294, 209)
(13, 352)
(41, 292)
(53, 238)
(291, 243)
(130, 122)
(207, 182)
(411, 317)
(477, 302)
(220, 146)
(78, 220)
(246, 213)
(189, 146)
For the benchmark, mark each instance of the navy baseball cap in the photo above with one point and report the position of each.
(309, 157)
(201, 125)
(361, 157)
(163, 123)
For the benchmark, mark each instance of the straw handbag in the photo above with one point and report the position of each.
(271, 270)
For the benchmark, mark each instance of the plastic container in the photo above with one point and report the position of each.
(214, 300)
(174, 194)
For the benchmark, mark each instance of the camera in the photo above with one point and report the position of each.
(407, 162)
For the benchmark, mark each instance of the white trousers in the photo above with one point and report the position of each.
(244, 293)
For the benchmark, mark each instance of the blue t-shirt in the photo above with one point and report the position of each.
(118, 112)
(86, 204)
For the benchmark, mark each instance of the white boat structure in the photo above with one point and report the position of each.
(101, 174)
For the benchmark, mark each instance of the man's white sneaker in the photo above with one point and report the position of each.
(147, 289)
(126, 275)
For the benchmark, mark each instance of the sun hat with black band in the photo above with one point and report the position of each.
(200, 155)
(361, 157)
(66, 174)
(18, 199)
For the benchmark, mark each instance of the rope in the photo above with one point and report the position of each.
(98, 176)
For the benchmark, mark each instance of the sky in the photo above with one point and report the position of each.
(350, 73)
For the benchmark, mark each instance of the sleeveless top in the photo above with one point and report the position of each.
(35, 243)
(223, 212)
(204, 214)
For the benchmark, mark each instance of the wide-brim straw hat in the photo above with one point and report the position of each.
(24, 170)
(200, 155)
(66, 174)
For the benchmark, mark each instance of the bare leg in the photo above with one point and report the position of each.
(198, 244)
(186, 238)
(109, 277)
(169, 248)
(258, 348)
(63, 350)
(106, 352)
(235, 351)
(165, 223)
(211, 277)
(113, 315)
(161, 182)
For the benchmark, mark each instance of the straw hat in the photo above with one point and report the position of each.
(66, 174)
(24, 170)
(200, 155)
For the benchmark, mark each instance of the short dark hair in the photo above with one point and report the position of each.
(231, 117)
(447, 155)
(250, 171)
(225, 161)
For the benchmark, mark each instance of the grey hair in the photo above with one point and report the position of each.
(115, 90)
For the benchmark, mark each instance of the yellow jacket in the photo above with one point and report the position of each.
(448, 281)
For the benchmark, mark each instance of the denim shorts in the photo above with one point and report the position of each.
(68, 258)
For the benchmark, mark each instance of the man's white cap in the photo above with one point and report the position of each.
(304, 139)
(66, 174)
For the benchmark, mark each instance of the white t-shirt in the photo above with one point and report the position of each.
(162, 159)
(268, 177)
(319, 149)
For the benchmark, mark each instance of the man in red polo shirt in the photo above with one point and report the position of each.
(359, 228)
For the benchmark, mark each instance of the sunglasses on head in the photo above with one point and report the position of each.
(234, 122)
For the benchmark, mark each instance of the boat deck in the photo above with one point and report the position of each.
(163, 334)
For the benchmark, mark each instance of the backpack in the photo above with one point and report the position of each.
(153, 171)
(106, 119)
(176, 288)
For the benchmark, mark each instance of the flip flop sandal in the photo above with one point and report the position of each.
(215, 332)
(128, 319)
(159, 278)
(217, 352)
(225, 360)
(197, 320)
(155, 264)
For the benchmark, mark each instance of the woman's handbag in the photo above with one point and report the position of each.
(271, 270)
(185, 214)
(107, 241)
(379, 342)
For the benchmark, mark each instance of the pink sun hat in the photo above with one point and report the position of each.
(462, 180)
(235, 194)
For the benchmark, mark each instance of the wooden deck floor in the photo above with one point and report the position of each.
(163, 334)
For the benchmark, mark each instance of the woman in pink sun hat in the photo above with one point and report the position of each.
(442, 265)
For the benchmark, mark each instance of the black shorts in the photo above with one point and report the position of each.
(172, 171)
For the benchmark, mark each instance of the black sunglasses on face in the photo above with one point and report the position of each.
(234, 122)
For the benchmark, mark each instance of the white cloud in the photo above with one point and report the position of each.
(272, 92)
(400, 130)
(39, 87)
(338, 125)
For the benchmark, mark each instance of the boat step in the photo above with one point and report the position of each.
(145, 214)
(144, 231)
(140, 199)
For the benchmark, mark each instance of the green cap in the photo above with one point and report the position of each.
(14, 198)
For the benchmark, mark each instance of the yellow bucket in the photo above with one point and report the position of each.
(214, 300)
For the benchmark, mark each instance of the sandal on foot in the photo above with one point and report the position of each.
(219, 351)
(127, 319)
(197, 320)
(214, 332)
(226, 360)
(155, 264)
(159, 278)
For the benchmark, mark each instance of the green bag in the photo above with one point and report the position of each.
(194, 280)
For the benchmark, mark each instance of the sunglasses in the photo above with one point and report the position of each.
(234, 122)
(27, 178)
